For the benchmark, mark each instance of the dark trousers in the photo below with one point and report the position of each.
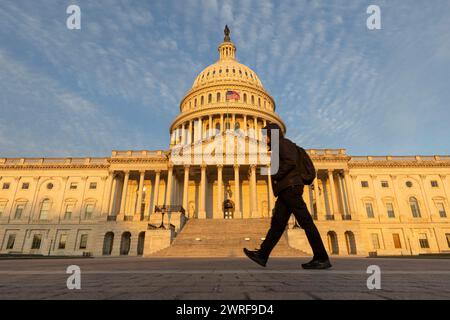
(290, 200)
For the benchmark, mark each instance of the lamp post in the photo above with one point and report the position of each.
(163, 211)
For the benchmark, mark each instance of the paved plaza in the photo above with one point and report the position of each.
(223, 279)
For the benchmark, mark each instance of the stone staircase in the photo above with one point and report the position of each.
(224, 238)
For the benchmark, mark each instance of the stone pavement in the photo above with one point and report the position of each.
(223, 279)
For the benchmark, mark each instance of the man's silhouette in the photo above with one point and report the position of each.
(287, 185)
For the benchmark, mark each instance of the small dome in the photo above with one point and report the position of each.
(227, 68)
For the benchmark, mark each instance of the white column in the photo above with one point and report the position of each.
(210, 126)
(343, 194)
(271, 199)
(237, 203)
(443, 177)
(254, 200)
(244, 129)
(124, 193)
(219, 189)
(185, 190)
(255, 125)
(140, 191)
(381, 212)
(334, 204)
(423, 187)
(189, 135)
(221, 123)
(112, 202)
(202, 212)
(61, 207)
(319, 211)
(169, 185)
(197, 130)
(107, 196)
(80, 212)
(183, 134)
(350, 194)
(156, 189)
(36, 181)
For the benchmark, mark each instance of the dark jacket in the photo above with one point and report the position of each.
(287, 174)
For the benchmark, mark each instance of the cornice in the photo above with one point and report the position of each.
(52, 167)
(399, 164)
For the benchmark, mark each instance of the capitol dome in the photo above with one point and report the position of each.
(227, 70)
(226, 95)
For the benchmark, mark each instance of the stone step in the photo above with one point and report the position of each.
(224, 238)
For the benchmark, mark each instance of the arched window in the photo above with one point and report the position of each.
(141, 241)
(253, 99)
(45, 208)
(259, 102)
(227, 125)
(415, 210)
(245, 97)
(333, 242)
(108, 243)
(350, 241)
(237, 126)
(210, 98)
(195, 102)
(202, 100)
(125, 243)
(218, 97)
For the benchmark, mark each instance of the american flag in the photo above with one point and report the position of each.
(232, 95)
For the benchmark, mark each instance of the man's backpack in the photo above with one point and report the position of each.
(305, 166)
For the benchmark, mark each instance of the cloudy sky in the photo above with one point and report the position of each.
(117, 82)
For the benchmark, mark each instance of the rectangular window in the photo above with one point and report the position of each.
(68, 212)
(11, 240)
(19, 211)
(62, 242)
(375, 241)
(384, 184)
(434, 184)
(73, 185)
(25, 186)
(369, 210)
(83, 241)
(93, 185)
(2, 208)
(45, 208)
(364, 184)
(390, 210)
(397, 242)
(6, 185)
(447, 235)
(88, 211)
(36, 244)
(423, 240)
(441, 210)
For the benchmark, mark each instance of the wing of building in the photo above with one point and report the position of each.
(139, 202)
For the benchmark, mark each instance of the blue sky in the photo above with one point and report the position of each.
(117, 82)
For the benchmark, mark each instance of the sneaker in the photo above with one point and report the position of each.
(317, 264)
(256, 256)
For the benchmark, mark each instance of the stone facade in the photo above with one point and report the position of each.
(103, 206)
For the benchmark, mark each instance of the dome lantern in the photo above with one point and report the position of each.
(227, 50)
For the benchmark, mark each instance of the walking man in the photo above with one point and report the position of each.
(287, 185)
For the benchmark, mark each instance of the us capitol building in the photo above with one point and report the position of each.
(141, 202)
